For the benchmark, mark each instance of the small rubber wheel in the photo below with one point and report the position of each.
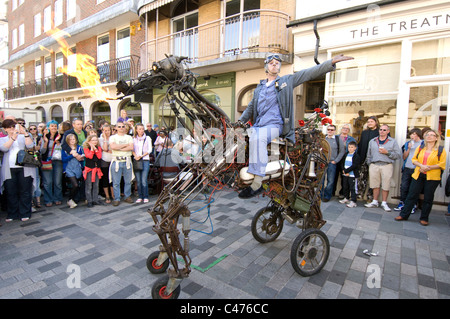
(159, 289)
(151, 264)
(309, 252)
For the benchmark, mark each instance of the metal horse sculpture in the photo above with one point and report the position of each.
(293, 181)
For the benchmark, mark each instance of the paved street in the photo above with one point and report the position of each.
(110, 246)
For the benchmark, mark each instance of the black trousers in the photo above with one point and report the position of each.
(19, 196)
(349, 187)
(417, 186)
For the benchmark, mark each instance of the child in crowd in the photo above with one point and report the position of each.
(73, 167)
(92, 170)
(350, 172)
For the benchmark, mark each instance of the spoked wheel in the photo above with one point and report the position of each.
(309, 252)
(159, 289)
(152, 266)
(267, 224)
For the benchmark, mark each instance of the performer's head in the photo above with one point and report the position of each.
(272, 63)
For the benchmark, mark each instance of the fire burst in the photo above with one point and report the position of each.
(86, 70)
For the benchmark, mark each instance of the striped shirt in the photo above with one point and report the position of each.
(348, 163)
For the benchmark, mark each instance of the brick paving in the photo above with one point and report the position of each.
(110, 246)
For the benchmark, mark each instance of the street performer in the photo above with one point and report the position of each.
(272, 112)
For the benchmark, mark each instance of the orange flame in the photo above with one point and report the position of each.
(86, 70)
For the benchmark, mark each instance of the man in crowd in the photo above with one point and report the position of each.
(337, 152)
(383, 151)
(121, 145)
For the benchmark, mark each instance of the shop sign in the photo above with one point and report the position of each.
(401, 26)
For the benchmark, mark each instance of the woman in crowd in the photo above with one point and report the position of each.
(142, 149)
(92, 171)
(106, 161)
(32, 129)
(52, 179)
(16, 180)
(344, 138)
(72, 166)
(429, 161)
(159, 143)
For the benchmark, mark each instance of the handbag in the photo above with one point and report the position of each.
(30, 158)
(138, 165)
(47, 165)
(56, 155)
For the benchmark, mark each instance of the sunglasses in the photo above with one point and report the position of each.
(272, 57)
(120, 126)
(33, 129)
(330, 129)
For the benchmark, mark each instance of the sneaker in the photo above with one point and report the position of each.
(399, 206)
(372, 204)
(139, 200)
(344, 201)
(385, 207)
(351, 204)
(71, 203)
(128, 200)
(145, 200)
(414, 209)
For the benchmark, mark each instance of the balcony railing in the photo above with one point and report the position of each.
(110, 72)
(250, 31)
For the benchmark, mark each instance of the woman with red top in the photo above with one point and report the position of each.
(92, 170)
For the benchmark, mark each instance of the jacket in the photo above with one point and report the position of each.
(285, 95)
(356, 164)
(391, 145)
(434, 174)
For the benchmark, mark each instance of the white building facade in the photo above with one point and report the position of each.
(401, 70)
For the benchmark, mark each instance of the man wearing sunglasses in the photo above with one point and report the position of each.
(272, 112)
(121, 145)
(382, 152)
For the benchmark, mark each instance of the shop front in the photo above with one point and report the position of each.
(401, 70)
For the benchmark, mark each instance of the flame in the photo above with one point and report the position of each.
(86, 70)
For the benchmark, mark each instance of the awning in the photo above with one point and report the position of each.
(152, 5)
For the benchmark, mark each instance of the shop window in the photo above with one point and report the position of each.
(314, 93)
(57, 113)
(431, 57)
(76, 111)
(428, 107)
(245, 97)
(134, 110)
(101, 111)
(366, 86)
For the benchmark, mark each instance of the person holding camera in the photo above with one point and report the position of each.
(17, 181)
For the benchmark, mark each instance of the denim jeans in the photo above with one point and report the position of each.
(258, 154)
(141, 180)
(52, 183)
(116, 176)
(405, 183)
(331, 173)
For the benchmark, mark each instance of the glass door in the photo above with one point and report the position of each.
(428, 107)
